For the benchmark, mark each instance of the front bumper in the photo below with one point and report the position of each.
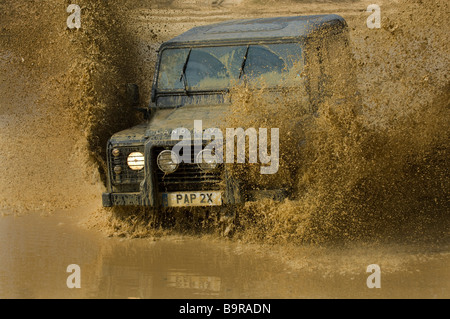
(121, 199)
(136, 199)
(230, 198)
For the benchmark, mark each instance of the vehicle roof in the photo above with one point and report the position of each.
(253, 30)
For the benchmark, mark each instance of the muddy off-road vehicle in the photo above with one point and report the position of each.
(192, 79)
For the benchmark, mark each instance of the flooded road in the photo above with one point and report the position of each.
(35, 252)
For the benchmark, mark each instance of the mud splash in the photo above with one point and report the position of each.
(65, 96)
(378, 170)
(381, 172)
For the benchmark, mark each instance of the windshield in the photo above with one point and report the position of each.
(217, 68)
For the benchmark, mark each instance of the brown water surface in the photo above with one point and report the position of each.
(36, 250)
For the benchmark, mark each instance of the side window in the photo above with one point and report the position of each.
(338, 71)
(333, 67)
(314, 71)
(329, 68)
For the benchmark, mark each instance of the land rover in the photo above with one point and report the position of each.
(192, 79)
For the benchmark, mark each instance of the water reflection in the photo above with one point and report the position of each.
(35, 252)
(206, 285)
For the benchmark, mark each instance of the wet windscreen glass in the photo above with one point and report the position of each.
(217, 68)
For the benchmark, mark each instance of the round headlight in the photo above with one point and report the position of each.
(167, 161)
(136, 161)
(207, 161)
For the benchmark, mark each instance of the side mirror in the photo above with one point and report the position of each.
(133, 96)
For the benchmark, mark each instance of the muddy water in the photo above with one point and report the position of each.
(35, 252)
(52, 80)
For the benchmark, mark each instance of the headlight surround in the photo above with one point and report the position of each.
(136, 161)
(167, 161)
(207, 161)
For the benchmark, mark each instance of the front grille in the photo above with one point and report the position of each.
(127, 176)
(188, 176)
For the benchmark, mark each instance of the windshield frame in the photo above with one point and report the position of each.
(177, 92)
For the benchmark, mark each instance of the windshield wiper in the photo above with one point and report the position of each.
(243, 62)
(183, 73)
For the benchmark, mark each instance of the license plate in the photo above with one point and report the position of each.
(192, 199)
